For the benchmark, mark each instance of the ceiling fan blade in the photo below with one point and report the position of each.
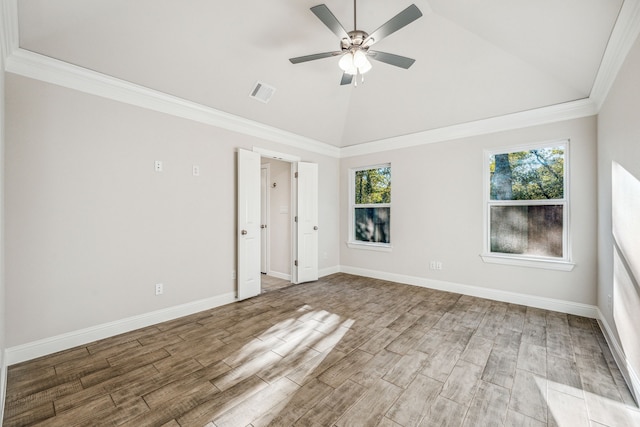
(324, 14)
(346, 79)
(313, 57)
(402, 19)
(390, 58)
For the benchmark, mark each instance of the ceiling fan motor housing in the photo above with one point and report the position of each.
(355, 41)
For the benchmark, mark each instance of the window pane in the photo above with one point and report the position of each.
(373, 186)
(372, 224)
(527, 230)
(527, 175)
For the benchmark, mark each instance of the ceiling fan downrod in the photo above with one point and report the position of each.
(355, 23)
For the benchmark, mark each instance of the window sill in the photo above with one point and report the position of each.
(370, 246)
(546, 264)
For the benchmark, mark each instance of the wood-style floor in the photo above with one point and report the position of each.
(270, 283)
(345, 351)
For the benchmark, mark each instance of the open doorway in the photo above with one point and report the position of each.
(303, 207)
(275, 223)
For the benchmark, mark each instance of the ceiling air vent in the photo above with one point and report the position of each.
(262, 92)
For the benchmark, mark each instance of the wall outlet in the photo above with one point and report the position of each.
(159, 289)
(196, 170)
(233, 275)
(158, 166)
(435, 265)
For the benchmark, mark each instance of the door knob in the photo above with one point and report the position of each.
(315, 227)
(243, 232)
(263, 226)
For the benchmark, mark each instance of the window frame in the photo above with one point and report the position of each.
(563, 263)
(351, 241)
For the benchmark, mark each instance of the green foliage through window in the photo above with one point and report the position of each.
(372, 204)
(528, 175)
(373, 186)
(527, 204)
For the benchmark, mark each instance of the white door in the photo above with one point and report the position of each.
(307, 224)
(248, 224)
(264, 218)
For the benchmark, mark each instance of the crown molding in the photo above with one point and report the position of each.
(9, 27)
(43, 68)
(29, 64)
(624, 35)
(554, 113)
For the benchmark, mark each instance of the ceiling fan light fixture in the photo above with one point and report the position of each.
(355, 62)
(360, 59)
(346, 63)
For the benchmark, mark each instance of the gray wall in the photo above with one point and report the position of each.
(619, 209)
(437, 214)
(91, 227)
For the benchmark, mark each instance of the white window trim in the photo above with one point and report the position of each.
(380, 247)
(549, 263)
(351, 241)
(522, 261)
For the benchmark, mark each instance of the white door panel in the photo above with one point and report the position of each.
(248, 224)
(307, 225)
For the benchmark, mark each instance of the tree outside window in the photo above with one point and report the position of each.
(371, 202)
(527, 203)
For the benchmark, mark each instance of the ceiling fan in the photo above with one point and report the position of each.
(354, 45)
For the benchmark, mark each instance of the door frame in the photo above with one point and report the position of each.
(293, 161)
(264, 245)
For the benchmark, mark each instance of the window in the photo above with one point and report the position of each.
(371, 207)
(526, 206)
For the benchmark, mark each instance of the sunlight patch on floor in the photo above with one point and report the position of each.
(574, 407)
(306, 341)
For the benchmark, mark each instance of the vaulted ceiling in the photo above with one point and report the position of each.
(475, 60)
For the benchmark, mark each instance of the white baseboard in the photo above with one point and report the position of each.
(57, 343)
(329, 270)
(43, 347)
(279, 275)
(562, 306)
(630, 375)
(69, 340)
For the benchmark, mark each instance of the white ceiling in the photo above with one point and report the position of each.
(474, 59)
